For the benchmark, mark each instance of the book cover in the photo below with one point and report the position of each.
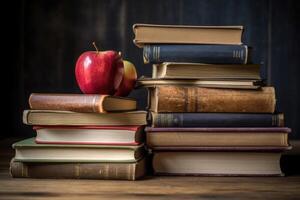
(207, 83)
(108, 171)
(29, 151)
(182, 34)
(103, 135)
(69, 118)
(216, 120)
(224, 139)
(197, 99)
(80, 102)
(195, 71)
(214, 54)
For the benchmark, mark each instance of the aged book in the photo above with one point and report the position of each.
(29, 151)
(215, 54)
(197, 99)
(178, 34)
(110, 135)
(217, 163)
(204, 71)
(208, 83)
(217, 137)
(216, 120)
(69, 118)
(111, 171)
(81, 102)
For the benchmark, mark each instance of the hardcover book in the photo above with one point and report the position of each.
(109, 135)
(81, 102)
(205, 71)
(208, 83)
(179, 34)
(110, 171)
(217, 163)
(197, 99)
(69, 118)
(213, 54)
(218, 137)
(216, 120)
(29, 151)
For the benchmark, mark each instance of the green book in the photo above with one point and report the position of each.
(29, 151)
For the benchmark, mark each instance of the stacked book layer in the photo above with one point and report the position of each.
(81, 136)
(209, 110)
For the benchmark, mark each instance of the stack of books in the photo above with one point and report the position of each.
(209, 110)
(81, 136)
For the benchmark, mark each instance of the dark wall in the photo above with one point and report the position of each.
(50, 36)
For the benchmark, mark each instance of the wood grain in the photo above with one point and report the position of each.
(148, 188)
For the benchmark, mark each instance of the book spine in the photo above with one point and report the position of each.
(214, 54)
(71, 102)
(216, 120)
(196, 99)
(113, 171)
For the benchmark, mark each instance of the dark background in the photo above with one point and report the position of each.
(44, 38)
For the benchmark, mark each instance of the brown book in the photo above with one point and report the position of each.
(170, 70)
(197, 99)
(217, 163)
(81, 102)
(217, 137)
(179, 34)
(112, 171)
(69, 118)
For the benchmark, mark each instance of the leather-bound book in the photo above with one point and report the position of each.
(197, 99)
(81, 102)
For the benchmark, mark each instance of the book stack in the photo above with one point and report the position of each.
(81, 136)
(210, 112)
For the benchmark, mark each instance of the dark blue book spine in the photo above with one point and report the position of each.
(216, 120)
(213, 54)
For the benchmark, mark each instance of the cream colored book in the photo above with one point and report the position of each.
(180, 34)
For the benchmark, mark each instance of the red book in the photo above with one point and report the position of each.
(109, 135)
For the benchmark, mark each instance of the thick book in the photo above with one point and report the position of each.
(217, 137)
(81, 102)
(76, 170)
(197, 99)
(217, 163)
(29, 151)
(108, 135)
(69, 118)
(208, 83)
(180, 34)
(216, 120)
(171, 70)
(212, 54)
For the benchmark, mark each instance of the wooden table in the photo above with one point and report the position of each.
(150, 188)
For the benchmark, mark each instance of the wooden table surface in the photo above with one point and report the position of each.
(150, 188)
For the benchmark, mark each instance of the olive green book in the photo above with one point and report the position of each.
(29, 151)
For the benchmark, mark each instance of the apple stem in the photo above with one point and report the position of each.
(95, 47)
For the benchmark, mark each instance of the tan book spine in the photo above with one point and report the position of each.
(196, 99)
(112, 171)
(70, 102)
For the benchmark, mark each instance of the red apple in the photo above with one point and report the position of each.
(129, 79)
(99, 72)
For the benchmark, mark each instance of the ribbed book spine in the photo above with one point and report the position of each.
(113, 171)
(196, 99)
(217, 54)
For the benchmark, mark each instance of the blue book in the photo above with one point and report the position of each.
(216, 120)
(210, 54)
